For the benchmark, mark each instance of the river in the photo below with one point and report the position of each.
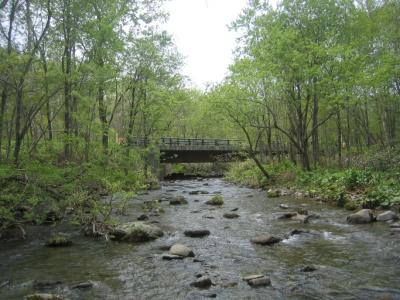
(351, 261)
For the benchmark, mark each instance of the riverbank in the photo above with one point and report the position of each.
(38, 193)
(350, 188)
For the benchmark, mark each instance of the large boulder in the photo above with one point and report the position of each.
(387, 216)
(265, 240)
(181, 250)
(136, 232)
(363, 216)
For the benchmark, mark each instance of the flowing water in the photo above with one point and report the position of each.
(352, 261)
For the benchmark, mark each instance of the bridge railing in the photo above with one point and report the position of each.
(199, 142)
(170, 141)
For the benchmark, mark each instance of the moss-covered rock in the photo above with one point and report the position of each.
(216, 200)
(274, 193)
(136, 232)
(351, 205)
(178, 201)
(59, 240)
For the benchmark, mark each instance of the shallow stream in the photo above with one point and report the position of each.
(352, 261)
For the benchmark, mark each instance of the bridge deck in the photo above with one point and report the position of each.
(184, 150)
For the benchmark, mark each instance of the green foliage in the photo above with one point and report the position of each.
(374, 188)
(247, 173)
(351, 205)
(37, 190)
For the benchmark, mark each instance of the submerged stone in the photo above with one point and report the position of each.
(42, 296)
(45, 284)
(231, 215)
(171, 257)
(202, 283)
(178, 201)
(265, 240)
(83, 285)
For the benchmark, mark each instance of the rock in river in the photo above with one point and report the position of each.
(257, 280)
(387, 216)
(178, 201)
(181, 250)
(171, 257)
(273, 193)
(265, 240)
(143, 217)
(216, 200)
(45, 284)
(231, 215)
(197, 233)
(59, 240)
(42, 296)
(136, 232)
(202, 283)
(308, 269)
(361, 217)
(251, 277)
(303, 218)
(83, 285)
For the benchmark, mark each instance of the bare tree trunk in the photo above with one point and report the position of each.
(315, 136)
(18, 120)
(339, 136)
(4, 93)
(103, 118)
(67, 68)
(10, 134)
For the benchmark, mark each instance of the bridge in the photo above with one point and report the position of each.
(189, 150)
(185, 150)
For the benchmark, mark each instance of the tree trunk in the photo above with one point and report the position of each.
(103, 118)
(67, 68)
(18, 119)
(339, 137)
(315, 136)
(2, 114)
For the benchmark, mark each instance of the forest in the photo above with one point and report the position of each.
(312, 97)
